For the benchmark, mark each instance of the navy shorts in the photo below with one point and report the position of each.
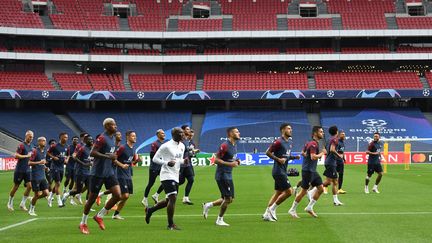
(226, 188)
(310, 178)
(126, 185)
(97, 182)
(21, 176)
(340, 167)
(281, 183)
(57, 175)
(170, 187)
(330, 172)
(48, 176)
(371, 168)
(70, 173)
(81, 180)
(39, 185)
(187, 171)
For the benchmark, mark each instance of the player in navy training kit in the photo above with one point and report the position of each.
(39, 182)
(310, 176)
(22, 171)
(154, 169)
(126, 158)
(374, 163)
(102, 172)
(226, 160)
(48, 176)
(331, 164)
(340, 161)
(58, 154)
(76, 168)
(70, 167)
(187, 171)
(83, 161)
(280, 153)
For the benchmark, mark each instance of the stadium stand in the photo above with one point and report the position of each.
(413, 49)
(255, 81)
(91, 122)
(185, 51)
(71, 81)
(106, 51)
(428, 76)
(395, 123)
(25, 81)
(11, 15)
(67, 50)
(309, 51)
(310, 24)
(43, 123)
(152, 15)
(253, 124)
(362, 14)
(86, 82)
(163, 82)
(241, 51)
(200, 25)
(146, 52)
(82, 15)
(359, 80)
(359, 50)
(29, 49)
(414, 22)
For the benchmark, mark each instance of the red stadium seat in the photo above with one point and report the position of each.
(359, 80)
(163, 82)
(25, 81)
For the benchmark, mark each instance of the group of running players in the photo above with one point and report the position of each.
(90, 164)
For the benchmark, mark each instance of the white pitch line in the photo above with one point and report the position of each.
(18, 224)
(255, 214)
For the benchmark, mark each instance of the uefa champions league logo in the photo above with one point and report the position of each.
(45, 94)
(330, 93)
(374, 123)
(235, 94)
(426, 92)
(140, 95)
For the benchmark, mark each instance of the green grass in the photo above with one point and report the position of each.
(386, 217)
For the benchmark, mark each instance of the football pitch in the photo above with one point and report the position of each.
(402, 212)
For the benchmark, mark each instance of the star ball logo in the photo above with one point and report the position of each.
(330, 93)
(374, 123)
(426, 92)
(140, 95)
(235, 94)
(45, 94)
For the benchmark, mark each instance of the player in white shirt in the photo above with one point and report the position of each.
(170, 156)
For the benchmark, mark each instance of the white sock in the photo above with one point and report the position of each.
(102, 212)
(50, 197)
(100, 194)
(267, 209)
(375, 186)
(335, 198)
(311, 204)
(312, 191)
(209, 205)
(32, 207)
(156, 194)
(273, 207)
(23, 201)
(84, 219)
(79, 196)
(66, 195)
(59, 198)
(220, 218)
(366, 187)
(10, 200)
(294, 206)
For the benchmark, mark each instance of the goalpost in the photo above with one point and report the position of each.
(399, 150)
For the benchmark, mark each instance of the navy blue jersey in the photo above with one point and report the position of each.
(189, 152)
(374, 147)
(125, 155)
(228, 153)
(22, 164)
(59, 151)
(331, 157)
(83, 154)
(281, 148)
(103, 167)
(340, 149)
(71, 161)
(154, 148)
(309, 164)
(38, 171)
(77, 148)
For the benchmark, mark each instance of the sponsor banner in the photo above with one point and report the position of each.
(8, 163)
(214, 95)
(421, 157)
(362, 158)
(207, 159)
